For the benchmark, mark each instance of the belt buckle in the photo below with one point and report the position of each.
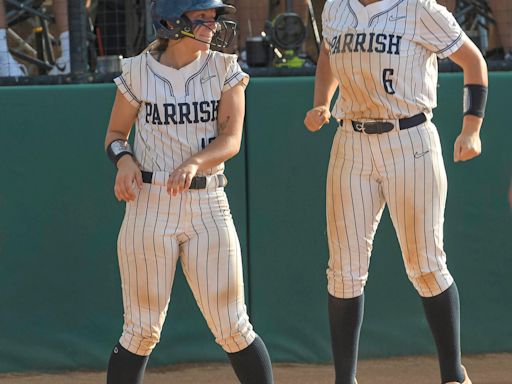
(371, 127)
(360, 126)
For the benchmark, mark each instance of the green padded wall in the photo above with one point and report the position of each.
(60, 295)
(288, 252)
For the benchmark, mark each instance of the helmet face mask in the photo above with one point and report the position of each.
(170, 22)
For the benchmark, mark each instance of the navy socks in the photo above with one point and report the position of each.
(125, 367)
(442, 312)
(345, 318)
(252, 364)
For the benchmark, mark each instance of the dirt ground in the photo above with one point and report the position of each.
(482, 369)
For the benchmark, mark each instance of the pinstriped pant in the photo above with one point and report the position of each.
(405, 170)
(197, 228)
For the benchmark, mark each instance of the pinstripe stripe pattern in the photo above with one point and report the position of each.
(197, 228)
(425, 30)
(405, 170)
(384, 56)
(144, 80)
(194, 227)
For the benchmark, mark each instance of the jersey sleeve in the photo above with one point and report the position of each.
(234, 73)
(439, 31)
(128, 82)
(326, 21)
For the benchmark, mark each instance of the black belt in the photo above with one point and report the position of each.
(372, 127)
(198, 182)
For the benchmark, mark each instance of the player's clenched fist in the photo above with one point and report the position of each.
(180, 179)
(467, 147)
(468, 144)
(128, 176)
(316, 118)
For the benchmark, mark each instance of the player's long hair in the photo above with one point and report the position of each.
(158, 46)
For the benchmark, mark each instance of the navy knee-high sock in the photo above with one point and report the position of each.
(125, 367)
(252, 365)
(345, 318)
(442, 312)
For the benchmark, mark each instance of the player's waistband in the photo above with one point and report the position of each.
(376, 126)
(198, 182)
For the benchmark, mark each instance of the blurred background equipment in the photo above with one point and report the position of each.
(489, 24)
(475, 18)
(281, 43)
(36, 48)
(276, 37)
(286, 33)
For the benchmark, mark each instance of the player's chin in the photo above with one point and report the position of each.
(201, 46)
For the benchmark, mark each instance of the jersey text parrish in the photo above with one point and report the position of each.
(182, 113)
(366, 42)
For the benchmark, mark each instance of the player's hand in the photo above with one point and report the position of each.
(316, 118)
(468, 145)
(180, 179)
(128, 177)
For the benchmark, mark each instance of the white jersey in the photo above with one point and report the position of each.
(178, 108)
(384, 55)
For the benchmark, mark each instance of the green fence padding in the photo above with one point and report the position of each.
(60, 294)
(288, 252)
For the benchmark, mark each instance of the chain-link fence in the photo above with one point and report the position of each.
(70, 41)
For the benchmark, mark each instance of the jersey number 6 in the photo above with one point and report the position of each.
(387, 81)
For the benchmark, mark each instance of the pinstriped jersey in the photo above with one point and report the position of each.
(178, 108)
(384, 55)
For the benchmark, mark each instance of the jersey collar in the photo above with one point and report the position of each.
(190, 68)
(373, 8)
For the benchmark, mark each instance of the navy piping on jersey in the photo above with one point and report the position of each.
(197, 73)
(128, 89)
(383, 12)
(161, 78)
(231, 78)
(451, 45)
(353, 14)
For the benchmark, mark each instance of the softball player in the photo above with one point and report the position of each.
(383, 57)
(187, 103)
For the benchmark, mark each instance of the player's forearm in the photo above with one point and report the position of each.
(325, 82)
(475, 72)
(223, 148)
(469, 58)
(121, 121)
(114, 135)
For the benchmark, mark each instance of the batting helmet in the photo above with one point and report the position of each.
(174, 11)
